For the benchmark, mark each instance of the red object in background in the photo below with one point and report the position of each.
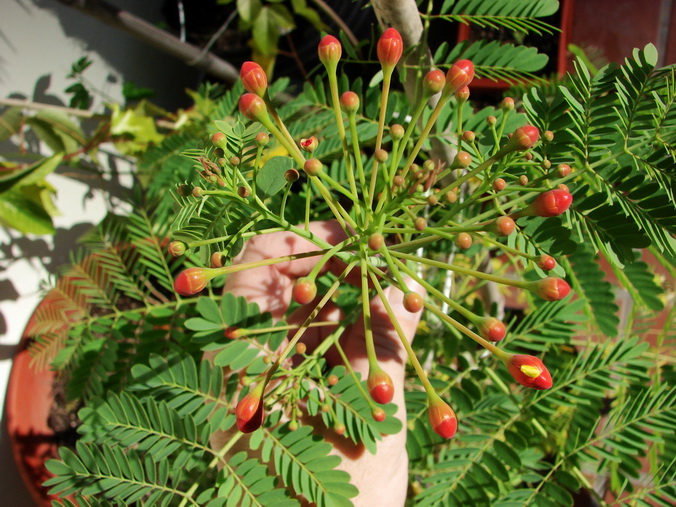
(566, 25)
(28, 405)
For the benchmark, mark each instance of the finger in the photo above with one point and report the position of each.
(270, 286)
(390, 352)
(389, 468)
(314, 336)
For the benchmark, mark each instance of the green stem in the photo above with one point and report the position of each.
(402, 336)
(423, 136)
(357, 156)
(464, 271)
(310, 318)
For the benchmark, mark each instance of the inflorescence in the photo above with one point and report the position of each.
(395, 202)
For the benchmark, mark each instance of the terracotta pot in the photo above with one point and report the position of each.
(28, 404)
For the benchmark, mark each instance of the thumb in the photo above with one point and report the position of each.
(390, 352)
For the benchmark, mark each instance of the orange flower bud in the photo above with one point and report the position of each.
(349, 102)
(329, 50)
(380, 385)
(550, 288)
(504, 226)
(563, 170)
(252, 106)
(507, 104)
(219, 140)
(468, 136)
(522, 139)
(397, 131)
(192, 280)
(389, 48)
(529, 371)
(492, 329)
(304, 291)
(546, 262)
(461, 160)
(499, 184)
(460, 74)
(548, 204)
(462, 94)
(312, 167)
(434, 82)
(262, 139)
(253, 78)
(442, 417)
(249, 411)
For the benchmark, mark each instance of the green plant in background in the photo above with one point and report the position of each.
(531, 196)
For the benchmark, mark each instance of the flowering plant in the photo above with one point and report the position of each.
(336, 216)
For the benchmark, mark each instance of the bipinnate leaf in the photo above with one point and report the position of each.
(270, 178)
(303, 462)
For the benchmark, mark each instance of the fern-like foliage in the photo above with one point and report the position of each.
(521, 17)
(613, 121)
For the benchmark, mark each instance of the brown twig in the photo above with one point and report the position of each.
(156, 37)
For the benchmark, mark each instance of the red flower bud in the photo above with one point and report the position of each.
(378, 414)
(389, 48)
(380, 385)
(192, 280)
(468, 136)
(176, 248)
(492, 329)
(462, 94)
(551, 288)
(329, 50)
(548, 204)
(253, 78)
(529, 371)
(460, 74)
(349, 102)
(309, 144)
(442, 417)
(499, 184)
(252, 106)
(525, 137)
(304, 290)
(434, 82)
(563, 170)
(249, 411)
(546, 262)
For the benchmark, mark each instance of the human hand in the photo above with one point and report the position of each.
(381, 478)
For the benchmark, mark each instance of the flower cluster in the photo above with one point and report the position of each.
(395, 203)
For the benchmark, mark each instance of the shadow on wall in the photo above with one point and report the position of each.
(134, 60)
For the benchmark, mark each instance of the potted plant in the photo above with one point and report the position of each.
(257, 353)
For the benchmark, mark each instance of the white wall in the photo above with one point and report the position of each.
(39, 40)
